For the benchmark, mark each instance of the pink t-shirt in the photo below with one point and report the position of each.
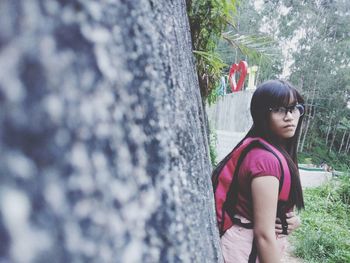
(258, 162)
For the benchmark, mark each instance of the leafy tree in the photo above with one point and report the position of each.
(314, 36)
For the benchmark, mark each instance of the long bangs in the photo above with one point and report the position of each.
(280, 93)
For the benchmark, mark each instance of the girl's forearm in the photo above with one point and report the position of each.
(268, 250)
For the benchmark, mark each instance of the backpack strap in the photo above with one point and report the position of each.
(285, 180)
(232, 194)
(284, 188)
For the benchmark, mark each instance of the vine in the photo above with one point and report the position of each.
(208, 20)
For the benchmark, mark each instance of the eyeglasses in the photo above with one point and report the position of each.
(296, 110)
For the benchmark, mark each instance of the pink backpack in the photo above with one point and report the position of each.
(225, 183)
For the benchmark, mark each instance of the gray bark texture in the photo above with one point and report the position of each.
(104, 152)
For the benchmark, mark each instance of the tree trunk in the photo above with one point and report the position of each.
(310, 116)
(309, 145)
(299, 139)
(347, 145)
(301, 128)
(342, 141)
(305, 132)
(106, 94)
(329, 129)
(333, 138)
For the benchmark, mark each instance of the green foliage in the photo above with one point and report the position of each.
(320, 154)
(344, 190)
(212, 146)
(325, 232)
(208, 19)
(214, 67)
(213, 96)
(321, 70)
(246, 41)
(257, 47)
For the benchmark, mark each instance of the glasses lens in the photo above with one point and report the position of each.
(300, 108)
(297, 110)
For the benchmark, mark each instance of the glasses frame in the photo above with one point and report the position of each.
(290, 109)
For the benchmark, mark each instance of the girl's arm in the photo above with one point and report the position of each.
(265, 197)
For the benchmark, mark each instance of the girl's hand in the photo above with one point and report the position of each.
(293, 223)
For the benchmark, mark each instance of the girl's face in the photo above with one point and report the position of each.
(284, 120)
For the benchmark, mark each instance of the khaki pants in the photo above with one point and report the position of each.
(236, 244)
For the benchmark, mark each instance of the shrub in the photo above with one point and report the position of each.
(325, 232)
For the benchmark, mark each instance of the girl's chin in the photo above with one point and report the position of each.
(288, 135)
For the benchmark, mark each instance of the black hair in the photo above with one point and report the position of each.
(275, 93)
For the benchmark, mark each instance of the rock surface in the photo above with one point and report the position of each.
(104, 153)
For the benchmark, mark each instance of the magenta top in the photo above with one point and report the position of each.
(258, 162)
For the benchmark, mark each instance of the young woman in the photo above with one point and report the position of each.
(277, 110)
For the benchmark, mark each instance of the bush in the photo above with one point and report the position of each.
(339, 162)
(344, 190)
(325, 232)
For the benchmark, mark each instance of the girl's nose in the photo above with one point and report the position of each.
(288, 115)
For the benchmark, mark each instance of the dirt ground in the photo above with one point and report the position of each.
(289, 258)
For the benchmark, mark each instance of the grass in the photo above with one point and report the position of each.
(325, 232)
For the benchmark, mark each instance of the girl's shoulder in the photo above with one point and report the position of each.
(261, 154)
(260, 162)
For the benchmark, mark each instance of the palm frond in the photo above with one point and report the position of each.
(212, 58)
(253, 46)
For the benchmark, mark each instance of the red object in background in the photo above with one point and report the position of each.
(242, 68)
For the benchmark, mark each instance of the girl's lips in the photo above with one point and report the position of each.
(289, 126)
